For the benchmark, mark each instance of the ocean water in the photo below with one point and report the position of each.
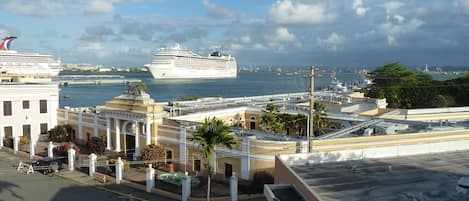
(246, 84)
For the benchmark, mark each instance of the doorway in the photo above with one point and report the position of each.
(228, 170)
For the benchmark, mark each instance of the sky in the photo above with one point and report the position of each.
(341, 33)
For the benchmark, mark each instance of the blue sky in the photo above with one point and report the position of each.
(258, 32)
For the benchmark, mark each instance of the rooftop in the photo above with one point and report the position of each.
(419, 177)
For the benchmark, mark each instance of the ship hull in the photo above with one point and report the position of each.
(167, 72)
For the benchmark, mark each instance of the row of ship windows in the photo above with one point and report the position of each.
(8, 107)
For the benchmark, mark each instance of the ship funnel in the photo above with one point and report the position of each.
(6, 43)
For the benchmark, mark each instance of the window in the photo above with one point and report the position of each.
(43, 106)
(44, 128)
(25, 104)
(169, 156)
(228, 170)
(7, 108)
(197, 164)
(8, 130)
(27, 131)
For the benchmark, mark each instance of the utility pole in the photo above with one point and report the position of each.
(311, 110)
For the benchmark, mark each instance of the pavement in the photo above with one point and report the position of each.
(70, 186)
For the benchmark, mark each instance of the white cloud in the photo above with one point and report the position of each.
(299, 12)
(33, 8)
(333, 41)
(93, 49)
(245, 39)
(359, 8)
(281, 35)
(394, 30)
(464, 5)
(392, 6)
(216, 11)
(100, 6)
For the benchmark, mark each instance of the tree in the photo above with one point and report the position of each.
(210, 134)
(320, 118)
(142, 86)
(153, 152)
(60, 133)
(270, 119)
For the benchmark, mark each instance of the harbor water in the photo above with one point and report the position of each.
(246, 84)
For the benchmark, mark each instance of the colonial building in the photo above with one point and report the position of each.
(27, 110)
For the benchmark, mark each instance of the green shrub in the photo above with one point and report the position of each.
(60, 133)
(96, 145)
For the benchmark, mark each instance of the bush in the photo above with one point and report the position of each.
(60, 133)
(62, 150)
(8, 142)
(153, 152)
(259, 179)
(96, 145)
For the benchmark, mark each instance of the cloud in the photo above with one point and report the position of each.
(392, 5)
(93, 49)
(333, 41)
(33, 8)
(287, 12)
(394, 29)
(188, 34)
(216, 11)
(464, 4)
(281, 35)
(100, 6)
(359, 8)
(99, 33)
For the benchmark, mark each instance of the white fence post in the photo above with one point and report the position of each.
(16, 144)
(119, 170)
(186, 187)
(50, 150)
(32, 150)
(92, 161)
(234, 187)
(71, 159)
(150, 178)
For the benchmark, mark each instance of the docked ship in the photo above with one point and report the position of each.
(178, 63)
(26, 66)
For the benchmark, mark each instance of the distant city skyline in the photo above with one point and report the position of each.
(262, 32)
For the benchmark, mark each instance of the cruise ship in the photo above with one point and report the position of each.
(179, 63)
(25, 66)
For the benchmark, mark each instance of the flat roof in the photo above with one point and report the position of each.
(419, 177)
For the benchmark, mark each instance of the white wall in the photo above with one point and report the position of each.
(374, 152)
(16, 93)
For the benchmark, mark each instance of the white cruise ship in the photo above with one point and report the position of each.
(178, 63)
(26, 65)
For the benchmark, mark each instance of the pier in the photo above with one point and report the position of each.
(65, 80)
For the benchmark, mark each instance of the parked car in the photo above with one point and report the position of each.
(49, 165)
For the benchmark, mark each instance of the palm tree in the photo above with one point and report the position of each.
(320, 118)
(210, 134)
(270, 119)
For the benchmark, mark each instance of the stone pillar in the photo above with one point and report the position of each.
(118, 135)
(16, 144)
(71, 159)
(137, 140)
(32, 150)
(234, 187)
(148, 133)
(50, 150)
(92, 163)
(80, 126)
(66, 116)
(119, 170)
(182, 145)
(186, 187)
(96, 125)
(108, 134)
(245, 159)
(150, 178)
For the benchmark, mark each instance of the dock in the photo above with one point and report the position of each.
(96, 82)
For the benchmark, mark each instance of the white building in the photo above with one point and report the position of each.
(28, 109)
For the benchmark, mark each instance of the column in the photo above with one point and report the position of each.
(96, 125)
(80, 127)
(182, 145)
(245, 159)
(234, 187)
(214, 162)
(150, 178)
(50, 150)
(137, 140)
(186, 187)
(16, 144)
(108, 133)
(71, 159)
(66, 116)
(118, 135)
(148, 133)
(92, 163)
